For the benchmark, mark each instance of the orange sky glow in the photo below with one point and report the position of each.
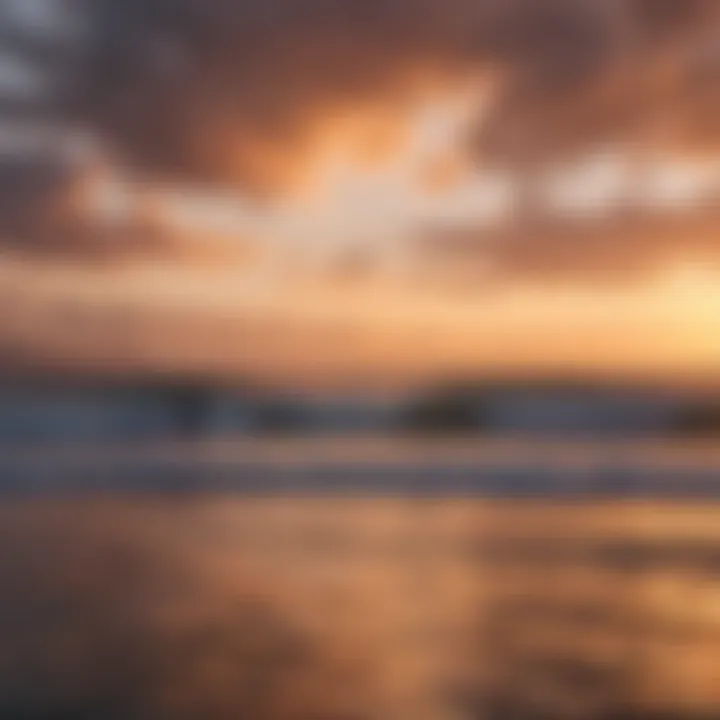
(260, 287)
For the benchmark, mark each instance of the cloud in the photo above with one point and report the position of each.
(246, 93)
(232, 89)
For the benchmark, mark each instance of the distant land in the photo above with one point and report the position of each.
(64, 406)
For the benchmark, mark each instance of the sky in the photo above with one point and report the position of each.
(340, 191)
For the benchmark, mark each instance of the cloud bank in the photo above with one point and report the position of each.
(233, 89)
(246, 94)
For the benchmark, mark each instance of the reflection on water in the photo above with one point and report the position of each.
(215, 605)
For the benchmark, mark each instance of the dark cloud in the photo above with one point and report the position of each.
(218, 89)
(645, 79)
(232, 91)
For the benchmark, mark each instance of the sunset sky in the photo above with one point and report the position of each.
(309, 191)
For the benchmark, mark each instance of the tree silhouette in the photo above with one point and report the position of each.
(700, 421)
(279, 417)
(453, 410)
(190, 409)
